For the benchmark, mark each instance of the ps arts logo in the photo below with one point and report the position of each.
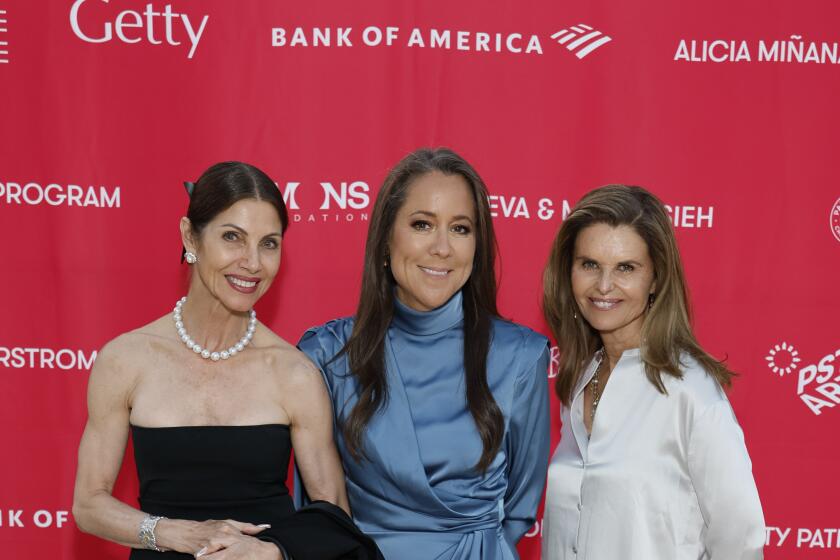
(818, 384)
(783, 359)
(834, 220)
(580, 39)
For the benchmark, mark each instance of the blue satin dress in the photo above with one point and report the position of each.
(418, 494)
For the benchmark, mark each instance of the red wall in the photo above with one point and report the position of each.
(741, 136)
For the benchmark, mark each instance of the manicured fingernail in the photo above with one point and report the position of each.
(201, 552)
(264, 526)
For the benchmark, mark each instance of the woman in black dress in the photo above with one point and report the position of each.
(214, 402)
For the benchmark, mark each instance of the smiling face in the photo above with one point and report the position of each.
(432, 243)
(612, 279)
(238, 253)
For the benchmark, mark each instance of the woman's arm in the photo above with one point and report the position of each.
(528, 449)
(310, 409)
(101, 453)
(721, 473)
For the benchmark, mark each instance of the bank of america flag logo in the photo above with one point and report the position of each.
(581, 39)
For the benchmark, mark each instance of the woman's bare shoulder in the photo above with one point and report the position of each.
(129, 351)
(287, 363)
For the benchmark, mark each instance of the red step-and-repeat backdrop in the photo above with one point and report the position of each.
(726, 110)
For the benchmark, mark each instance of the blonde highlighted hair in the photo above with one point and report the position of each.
(666, 331)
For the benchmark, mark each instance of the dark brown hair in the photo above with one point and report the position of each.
(226, 183)
(666, 331)
(366, 347)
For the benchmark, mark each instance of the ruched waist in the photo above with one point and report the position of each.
(487, 543)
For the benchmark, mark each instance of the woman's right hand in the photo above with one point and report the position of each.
(191, 537)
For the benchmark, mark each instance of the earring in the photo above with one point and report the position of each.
(651, 299)
(190, 257)
(574, 314)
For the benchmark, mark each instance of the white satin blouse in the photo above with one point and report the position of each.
(663, 477)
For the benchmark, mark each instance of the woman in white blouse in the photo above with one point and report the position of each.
(651, 463)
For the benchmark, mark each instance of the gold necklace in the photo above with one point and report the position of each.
(596, 392)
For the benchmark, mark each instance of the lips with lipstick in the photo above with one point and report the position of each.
(434, 271)
(604, 304)
(243, 284)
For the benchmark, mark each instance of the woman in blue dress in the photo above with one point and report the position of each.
(441, 406)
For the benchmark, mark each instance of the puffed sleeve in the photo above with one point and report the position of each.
(323, 345)
(527, 449)
(311, 344)
(721, 472)
(319, 347)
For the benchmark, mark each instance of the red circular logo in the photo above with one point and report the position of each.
(834, 220)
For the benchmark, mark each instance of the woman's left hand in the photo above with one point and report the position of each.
(240, 547)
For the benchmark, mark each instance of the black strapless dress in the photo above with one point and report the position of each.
(213, 472)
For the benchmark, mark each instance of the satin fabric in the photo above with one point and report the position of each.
(418, 494)
(663, 477)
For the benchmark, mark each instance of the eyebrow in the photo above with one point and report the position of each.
(585, 258)
(236, 227)
(433, 215)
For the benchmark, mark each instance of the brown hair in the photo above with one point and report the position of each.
(666, 331)
(366, 347)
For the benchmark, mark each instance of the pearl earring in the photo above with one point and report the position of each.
(190, 257)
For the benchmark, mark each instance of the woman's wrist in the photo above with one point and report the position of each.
(147, 532)
(169, 533)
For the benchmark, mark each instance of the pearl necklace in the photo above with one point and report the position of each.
(205, 353)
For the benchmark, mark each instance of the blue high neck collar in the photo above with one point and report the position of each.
(431, 322)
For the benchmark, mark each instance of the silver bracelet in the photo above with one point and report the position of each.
(147, 532)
